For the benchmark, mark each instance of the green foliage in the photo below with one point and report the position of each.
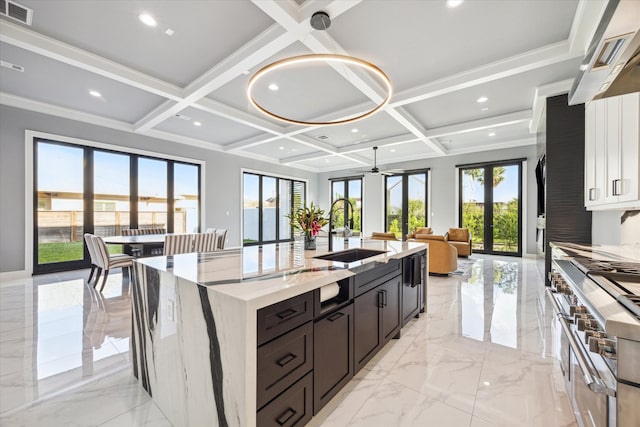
(505, 224)
(310, 219)
(473, 219)
(478, 175)
(416, 214)
(338, 216)
(66, 251)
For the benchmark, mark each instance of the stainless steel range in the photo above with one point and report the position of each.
(597, 333)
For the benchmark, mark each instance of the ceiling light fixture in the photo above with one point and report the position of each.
(492, 134)
(95, 93)
(354, 130)
(147, 19)
(320, 21)
(169, 32)
(273, 87)
(482, 99)
(197, 124)
(484, 109)
(453, 3)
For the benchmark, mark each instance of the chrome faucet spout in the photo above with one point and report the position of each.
(348, 223)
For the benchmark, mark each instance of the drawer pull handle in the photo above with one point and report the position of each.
(335, 316)
(286, 416)
(592, 194)
(288, 358)
(287, 313)
(384, 298)
(617, 184)
(380, 300)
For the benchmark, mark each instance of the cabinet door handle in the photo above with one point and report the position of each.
(380, 299)
(617, 187)
(335, 316)
(285, 360)
(384, 298)
(287, 313)
(592, 194)
(286, 416)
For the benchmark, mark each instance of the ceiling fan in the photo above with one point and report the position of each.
(376, 170)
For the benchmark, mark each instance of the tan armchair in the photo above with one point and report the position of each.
(461, 239)
(376, 235)
(443, 257)
(419, 232)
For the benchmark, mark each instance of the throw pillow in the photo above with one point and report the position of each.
(423, 230)
(429, 236)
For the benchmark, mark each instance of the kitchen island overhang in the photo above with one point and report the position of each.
(195, 321)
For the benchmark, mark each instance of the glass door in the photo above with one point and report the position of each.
(59, 214)
(491, 208)
(405, 203)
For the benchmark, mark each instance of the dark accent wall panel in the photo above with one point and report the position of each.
(567, 218)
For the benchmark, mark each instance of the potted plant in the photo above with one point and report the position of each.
(310, 220)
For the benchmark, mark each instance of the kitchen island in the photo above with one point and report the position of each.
(206, 325)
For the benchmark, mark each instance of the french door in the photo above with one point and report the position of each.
(405, 202)
(491, 206)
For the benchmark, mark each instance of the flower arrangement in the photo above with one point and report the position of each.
(309, 219)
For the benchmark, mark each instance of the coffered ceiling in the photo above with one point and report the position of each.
(190, 87)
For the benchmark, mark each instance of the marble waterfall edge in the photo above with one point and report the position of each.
(189, 350)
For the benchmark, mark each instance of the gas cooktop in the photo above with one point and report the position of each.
(613, 270)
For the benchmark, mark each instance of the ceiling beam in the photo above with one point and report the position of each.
(485, 123)
(539, 100)
(534, 59)
(584, 25)
(46, 46)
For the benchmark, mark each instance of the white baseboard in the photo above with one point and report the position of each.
(13, 275)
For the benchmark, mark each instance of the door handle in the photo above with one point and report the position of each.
(286, 415)
(617, 187)
(287, 313)
(335, 316)
(380, 300)
(592, 194)
(286, 359)
(384, 298)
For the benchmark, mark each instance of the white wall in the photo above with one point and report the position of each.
(443, 190)
(222, 181)
(615, 227)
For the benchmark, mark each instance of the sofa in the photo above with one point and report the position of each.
(461, 239)
(443, 257)
(376, 235)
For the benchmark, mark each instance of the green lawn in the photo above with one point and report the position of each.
(69, 251)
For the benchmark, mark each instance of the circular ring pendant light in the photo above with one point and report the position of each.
(328, 58)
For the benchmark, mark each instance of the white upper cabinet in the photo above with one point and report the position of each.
(612, 155)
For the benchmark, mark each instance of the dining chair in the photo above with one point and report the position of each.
(221, 236)
(92, 254)
(177, 244)
(205, 242)
(105, 261)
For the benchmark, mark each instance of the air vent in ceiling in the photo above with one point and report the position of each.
(322, 137)
(182, 117)
(11, 66)
(16, 11)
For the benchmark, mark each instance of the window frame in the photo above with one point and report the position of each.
(345, 181)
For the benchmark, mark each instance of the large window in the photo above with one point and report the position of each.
(350, 189)
(266, 202)
(406, 202)
(82, 189)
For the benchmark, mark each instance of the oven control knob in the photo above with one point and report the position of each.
(603, 346)
(584, 316)
(587, 325)
(595, 334)
(575, 309)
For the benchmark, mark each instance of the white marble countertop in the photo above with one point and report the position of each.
(263, 275)
(626, 253)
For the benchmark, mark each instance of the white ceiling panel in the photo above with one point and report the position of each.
(212, 128)
(205, 32)
(372, 128)
(59, 84)
(504, 96)
(331, 162)
(282, 149)
(418, 41)
(398, 152)
(499, 134)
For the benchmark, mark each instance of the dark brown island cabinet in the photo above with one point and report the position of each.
(308, 350)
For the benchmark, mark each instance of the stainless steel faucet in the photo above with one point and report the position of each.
(348, 224)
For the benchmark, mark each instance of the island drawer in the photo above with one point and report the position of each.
(291, 408)
(370, 279)
(283, 361)
(284, 316)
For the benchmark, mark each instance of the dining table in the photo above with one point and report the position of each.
(139, 245)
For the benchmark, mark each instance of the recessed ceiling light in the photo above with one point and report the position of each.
(393, 150)
(617, 68)
(604, 86)
(354, 130)
(492, 134)
(484, 109)
(482, 99)
(282, 148)
(273, 86)
(147, 19)
(245, 72)
(95, 93)
(169, 32)
(326, 160)
(453, 3)
(197, 124)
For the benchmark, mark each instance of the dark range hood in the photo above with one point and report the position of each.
(610, 67)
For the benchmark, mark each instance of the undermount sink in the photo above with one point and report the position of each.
(350, 255)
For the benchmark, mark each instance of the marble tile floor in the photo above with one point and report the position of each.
(481, 356)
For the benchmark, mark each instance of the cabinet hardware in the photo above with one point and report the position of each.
(335, 316)
(384, 298)
(617, 184)
(380, 299)
(286, 416)
(592, 194)
(287, 313)
(286, 359)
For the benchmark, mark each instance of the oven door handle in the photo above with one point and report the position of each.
(594, 382)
